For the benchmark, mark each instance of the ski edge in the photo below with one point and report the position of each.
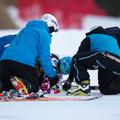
(54, 98)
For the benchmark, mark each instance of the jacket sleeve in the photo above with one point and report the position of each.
(85, 45)
(44, 55)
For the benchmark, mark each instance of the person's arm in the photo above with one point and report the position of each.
(44, 56)
(84, 46)
(45, 60)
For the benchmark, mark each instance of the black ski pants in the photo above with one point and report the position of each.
(28, 74)
(107, 64)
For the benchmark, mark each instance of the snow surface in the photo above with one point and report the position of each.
(65, 43)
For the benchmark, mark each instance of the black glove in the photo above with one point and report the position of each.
(67, 85)
(54, 81)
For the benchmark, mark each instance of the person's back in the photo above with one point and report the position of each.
(101, 40)
(115, 32)
(24, 47)
(104, 43)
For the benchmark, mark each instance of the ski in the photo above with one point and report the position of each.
(13, 95)
(52, 98)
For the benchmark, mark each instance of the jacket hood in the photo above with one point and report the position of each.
(37, 24)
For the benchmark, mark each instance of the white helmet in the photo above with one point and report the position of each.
(51, 21)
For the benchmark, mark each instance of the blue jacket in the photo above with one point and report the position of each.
(32, 43)
(5, 42)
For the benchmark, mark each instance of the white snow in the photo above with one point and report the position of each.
(65, 43)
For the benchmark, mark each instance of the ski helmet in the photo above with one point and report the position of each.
(51, 22)
(65, 64)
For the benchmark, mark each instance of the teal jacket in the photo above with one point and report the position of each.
(32, 43)
(104, 43)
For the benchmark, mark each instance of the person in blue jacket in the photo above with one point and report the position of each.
(30, 44)
(98, 51)
(5, 42)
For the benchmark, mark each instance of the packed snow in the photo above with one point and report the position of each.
(64, 43)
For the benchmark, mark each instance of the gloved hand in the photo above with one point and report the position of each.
(45, 86)
(67, 85)
(49, 82)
